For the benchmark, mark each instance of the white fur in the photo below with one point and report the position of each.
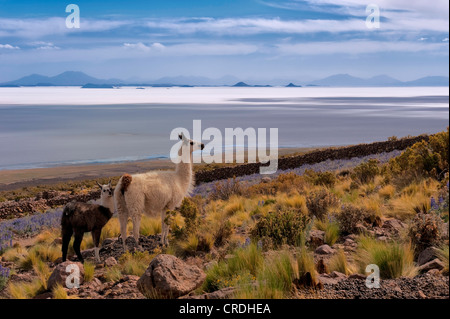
(106, 200)
(107, 196)
(155, 193)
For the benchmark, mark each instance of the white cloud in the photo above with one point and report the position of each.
(8, 47)
(445, 40)
(36, 28)
(423, 39)
(356, 47)
(155, 47)
(249, 26)
(42, 45)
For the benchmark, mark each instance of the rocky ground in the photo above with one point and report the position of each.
(180, 278)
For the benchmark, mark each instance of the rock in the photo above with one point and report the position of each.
(427, 255)
(379, 232)
(107, 241)
(94, 285)
(170, 277)
(349, 242)
(444, 231)
(266, 179)
(321, 267)
(111, 261)
(338, 275)
(394, 225)
(422, 295)
(324, 250)
(434, 272)
(327, 280)
(351, 236)
(360, 228)
(434, 264)
(382, 238)
(316, 238)
(131, 278)
(60, 274)
(357, 276)
(225, 293)
(45, 295)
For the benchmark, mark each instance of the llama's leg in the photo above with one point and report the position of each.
(66, 236)
(164, 229)
(123, 219)
(136, 219)
(96, 233)
(77, 244)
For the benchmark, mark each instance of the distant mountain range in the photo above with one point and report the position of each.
(72, 78)
(380, 80)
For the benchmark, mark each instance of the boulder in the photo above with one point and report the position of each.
(434, 264)
(110, 261)
(426, 255)
(169, 277)
(349, 242)
(325, 279)
(316, 238)
(324, 250)
(338, 275)
(60, 274)
(394, 225)
(321, 267)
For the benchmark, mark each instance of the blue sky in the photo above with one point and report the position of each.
(257, 40)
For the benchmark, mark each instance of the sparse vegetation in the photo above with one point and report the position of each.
(394, 259)
(246, 231)
(281, 227)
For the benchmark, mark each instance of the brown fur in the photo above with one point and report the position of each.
(79, 218)
(126, 181)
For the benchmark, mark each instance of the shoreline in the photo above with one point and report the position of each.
(15, 179)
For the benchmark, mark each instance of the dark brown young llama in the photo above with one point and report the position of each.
(79, 218)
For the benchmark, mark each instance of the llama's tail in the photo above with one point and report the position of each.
(125, 183)
(119, 193)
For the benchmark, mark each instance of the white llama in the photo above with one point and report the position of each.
(155, 192)
(106, 195)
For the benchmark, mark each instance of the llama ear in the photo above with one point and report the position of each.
(109, 183)
(180, 136)
(101, 187)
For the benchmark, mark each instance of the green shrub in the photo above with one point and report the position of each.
(365, 172)
(326, 179)
(423, 158)
(274, 281)
(284, 183)
(331, 233)
(225, 189)
(393, 259)
(425, 230)
(223, 233)
(281, 227)
(319, 202)
(339, 263)
(246, 261)
(350, 216)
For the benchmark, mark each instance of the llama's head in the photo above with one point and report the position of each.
(106, 190)
(190, 144)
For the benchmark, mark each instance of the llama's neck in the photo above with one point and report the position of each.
(107, 201)
(185, 175)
